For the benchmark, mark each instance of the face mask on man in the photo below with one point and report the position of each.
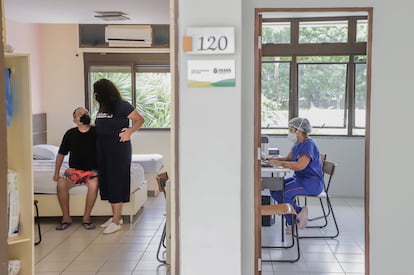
(292, 137)
(85, 119)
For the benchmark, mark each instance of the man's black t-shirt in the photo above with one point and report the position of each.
(82, 148)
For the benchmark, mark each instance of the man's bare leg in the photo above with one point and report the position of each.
(62, 187)
(90, 199)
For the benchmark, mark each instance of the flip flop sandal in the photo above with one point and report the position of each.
(63, 226)
(88, 225)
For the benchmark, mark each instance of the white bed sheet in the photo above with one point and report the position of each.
(152, 163)
(43, 171)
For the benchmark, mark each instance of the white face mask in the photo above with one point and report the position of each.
(292, 137)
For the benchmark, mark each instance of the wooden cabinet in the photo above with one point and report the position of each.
(19, 159)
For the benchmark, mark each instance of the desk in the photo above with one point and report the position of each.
(272, 179)
(279, 171)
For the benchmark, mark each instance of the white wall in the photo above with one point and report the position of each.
(347, 153)
(29, 43)
(210, 153)
(391, 151)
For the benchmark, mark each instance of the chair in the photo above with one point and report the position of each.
(162, 182)
(37, 221)
(277, 184)
(323, 158)
(283, 209)
(328, 172)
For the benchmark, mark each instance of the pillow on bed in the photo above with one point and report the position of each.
(45, 151)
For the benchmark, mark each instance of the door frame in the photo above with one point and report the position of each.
(257, 125)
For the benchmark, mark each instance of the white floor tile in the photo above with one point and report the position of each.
(132, 251)
(339, 256)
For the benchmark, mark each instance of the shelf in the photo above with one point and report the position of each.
(17, 240)
(19, 159)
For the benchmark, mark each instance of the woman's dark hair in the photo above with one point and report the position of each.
(106, 93)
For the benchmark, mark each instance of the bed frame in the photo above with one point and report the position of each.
(49, 205)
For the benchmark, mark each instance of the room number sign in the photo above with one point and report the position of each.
(209, 40)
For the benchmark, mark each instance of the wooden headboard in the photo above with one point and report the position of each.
(39, 128)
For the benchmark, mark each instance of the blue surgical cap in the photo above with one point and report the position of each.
(301, 124)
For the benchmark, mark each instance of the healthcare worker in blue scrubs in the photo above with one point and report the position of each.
(304, 159)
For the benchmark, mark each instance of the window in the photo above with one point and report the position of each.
(153, 93)
(362, 30)
(321, 75)
(144, 80)
(323, 31)
(321, 94)
(360, 98)
(276, 32)
(275, 92)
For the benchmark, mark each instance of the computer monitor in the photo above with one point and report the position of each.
(265, 146)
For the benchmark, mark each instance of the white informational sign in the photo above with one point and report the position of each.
(212, 40)
(211, 73)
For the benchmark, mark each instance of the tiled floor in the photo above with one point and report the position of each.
(339, 256)
(132, 251)
(76, 251)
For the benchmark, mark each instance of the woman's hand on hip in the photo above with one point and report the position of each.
(125, 135)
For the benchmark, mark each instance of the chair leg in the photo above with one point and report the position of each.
(164, 244)
(295, 238)
(323, 216)
(329, 204)
(38, 223)
(161, 243)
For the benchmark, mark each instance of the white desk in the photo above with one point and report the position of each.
(274, 169)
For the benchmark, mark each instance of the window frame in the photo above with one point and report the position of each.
(295, 49)
(133, 60)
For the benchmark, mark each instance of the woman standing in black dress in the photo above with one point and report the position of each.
(114, 149)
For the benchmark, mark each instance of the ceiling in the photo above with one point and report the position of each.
(83, 11)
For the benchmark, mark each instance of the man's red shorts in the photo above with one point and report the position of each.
(79, 176)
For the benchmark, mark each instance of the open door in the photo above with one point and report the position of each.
(294, 54)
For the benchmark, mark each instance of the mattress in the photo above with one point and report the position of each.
(152, 163)
(43, 171)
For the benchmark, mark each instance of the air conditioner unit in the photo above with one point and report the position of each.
(128, 35)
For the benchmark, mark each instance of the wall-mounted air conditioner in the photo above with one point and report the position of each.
(128, 35)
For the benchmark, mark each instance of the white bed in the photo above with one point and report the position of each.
(45, 187)
(152, 163)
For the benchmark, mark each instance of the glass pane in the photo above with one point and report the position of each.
(360, 58)
(323, 31)
(362, 30)
(275, 94)
(276, 33)
(321, 95)
(153, 98)
(323, 59)
(119, 75)
(360, 94)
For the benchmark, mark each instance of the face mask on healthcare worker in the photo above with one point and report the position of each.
(292, 137)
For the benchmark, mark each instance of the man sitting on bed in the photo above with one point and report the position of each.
(80, 143)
